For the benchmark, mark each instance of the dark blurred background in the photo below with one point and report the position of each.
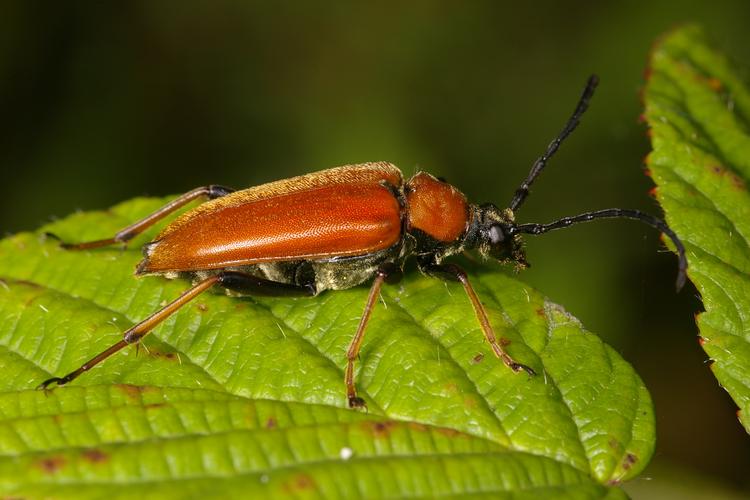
(100, 102)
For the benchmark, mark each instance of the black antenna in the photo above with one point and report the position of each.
(610, 213)
(583, 103)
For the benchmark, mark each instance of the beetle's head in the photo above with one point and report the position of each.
(496, 236)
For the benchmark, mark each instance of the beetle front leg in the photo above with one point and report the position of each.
(452, 272)
(211, 192)
(387, 273)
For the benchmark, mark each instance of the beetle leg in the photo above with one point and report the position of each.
(133, 230)
(137, 332)
(232, 280)
(452, 272)
(387, 273)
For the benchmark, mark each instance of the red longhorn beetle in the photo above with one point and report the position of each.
(335, 229)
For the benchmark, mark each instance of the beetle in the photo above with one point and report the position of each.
(336, 229)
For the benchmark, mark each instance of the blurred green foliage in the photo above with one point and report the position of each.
(102, 102)
(699, 111)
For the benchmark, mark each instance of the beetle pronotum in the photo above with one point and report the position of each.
(336, 229)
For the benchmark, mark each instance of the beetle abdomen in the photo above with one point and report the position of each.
(325, 219)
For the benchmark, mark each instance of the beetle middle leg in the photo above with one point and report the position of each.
(126, 234)
(232, 280)
(452, 272)
(387, 273)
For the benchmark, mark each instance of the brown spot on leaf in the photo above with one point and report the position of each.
(299, 482)
(31, 300)
(381, 429)
(613, 443)
(202, 307)
(304, 482)
(629, 461)
(702, 340)
(715, 84)
(652, 192)
(133, 391)
(737, 182)
(642, 95)
(447, 431)
(416, 426)
(450, 388)
(159, 354)
(506, 342)
(154, 405)
(477, 359)
(271, 423)
(95, 456)
(50, 465)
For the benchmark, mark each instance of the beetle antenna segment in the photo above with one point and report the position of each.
(614, 213)
(583, 103)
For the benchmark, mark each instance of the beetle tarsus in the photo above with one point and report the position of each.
(60, 242)
(357, 402)
(44, 386)
(517, 367)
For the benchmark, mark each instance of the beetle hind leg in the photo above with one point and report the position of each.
(135, 333)
(126, 234)
(232, 280)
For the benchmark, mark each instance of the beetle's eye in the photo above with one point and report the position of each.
(497, 235)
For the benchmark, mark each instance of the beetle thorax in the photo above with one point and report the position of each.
(438, 215)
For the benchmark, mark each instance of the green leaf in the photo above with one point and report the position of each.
(251, 390)
(699, 113)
